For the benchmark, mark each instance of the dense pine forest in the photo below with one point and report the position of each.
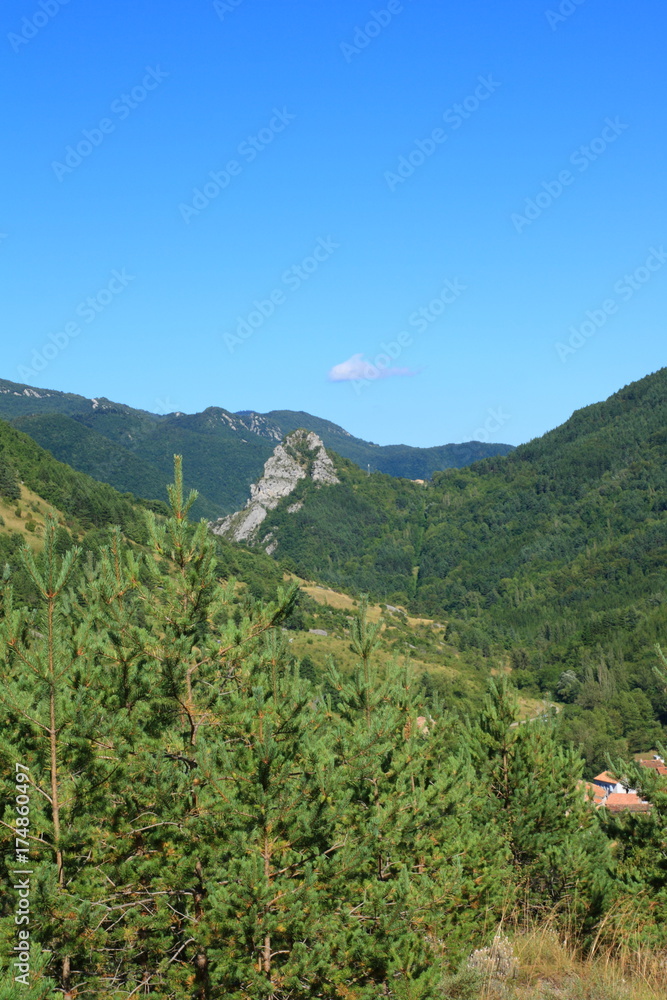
(217, 786)
(200, 820)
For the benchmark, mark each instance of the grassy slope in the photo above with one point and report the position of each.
(548, 968)
(32, 510)
(458, 677)
(85, 502)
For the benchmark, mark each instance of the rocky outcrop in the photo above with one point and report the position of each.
(301, 455)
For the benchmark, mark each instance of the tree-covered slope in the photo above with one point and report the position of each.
(87, 450)
(579, 513)
(134, 452)
(585, 503)
(362, 534)
(552, 557)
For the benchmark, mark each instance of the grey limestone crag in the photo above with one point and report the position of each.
(300, 455)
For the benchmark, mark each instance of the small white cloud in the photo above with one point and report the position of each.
(358, 367)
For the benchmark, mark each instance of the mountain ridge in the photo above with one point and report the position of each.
(223, 452)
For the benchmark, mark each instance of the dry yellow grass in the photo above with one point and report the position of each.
(530, 708)
(341, 602)
(33, 509)
(320, 647)
(324, 595)
(549, 968)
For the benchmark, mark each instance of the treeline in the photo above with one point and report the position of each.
(204, 822)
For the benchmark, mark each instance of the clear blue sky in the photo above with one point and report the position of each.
(305, 111)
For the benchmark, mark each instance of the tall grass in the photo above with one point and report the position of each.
(553, 966)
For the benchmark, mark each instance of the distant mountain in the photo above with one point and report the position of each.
(223, 452)
(400, 460)
(559, 531)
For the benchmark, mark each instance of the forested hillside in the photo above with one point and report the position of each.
(224, 452)
(196, 819)
(553, 556)
(88, 503)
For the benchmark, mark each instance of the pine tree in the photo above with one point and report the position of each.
(175, 652)
(9, 484)
(537, 801)
(413, 869)
(268, 808)
(54, 723)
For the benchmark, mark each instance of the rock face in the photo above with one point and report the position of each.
(300, 455)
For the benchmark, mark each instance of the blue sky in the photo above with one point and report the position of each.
(247, 203)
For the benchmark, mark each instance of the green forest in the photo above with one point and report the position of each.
(550, 559)
(199, 819)
(216, 786)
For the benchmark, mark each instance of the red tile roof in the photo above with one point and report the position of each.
(626, 802)
(655, 765)
(593, 793)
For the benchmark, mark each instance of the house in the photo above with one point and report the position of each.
(594, 792)
(656, 764)
(606, 790)
(610, 784)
